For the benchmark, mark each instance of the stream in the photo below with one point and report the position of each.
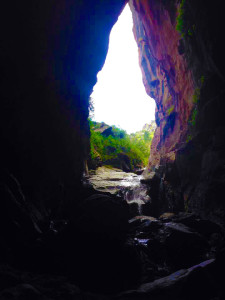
(117, 182)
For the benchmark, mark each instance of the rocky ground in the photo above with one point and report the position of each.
(107, 252)
(102, 256)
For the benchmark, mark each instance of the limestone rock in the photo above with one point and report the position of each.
(110, 180)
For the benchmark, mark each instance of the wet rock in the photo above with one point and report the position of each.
(170, 245)
(186, 284)
(167, 216)
(145, 224)
(142, 218)
(111, 180)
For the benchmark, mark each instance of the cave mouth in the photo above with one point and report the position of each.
(119, 96)
(62, 241)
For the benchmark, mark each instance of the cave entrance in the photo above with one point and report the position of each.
(119, 97)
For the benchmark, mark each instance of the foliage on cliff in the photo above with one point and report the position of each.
(110, 145)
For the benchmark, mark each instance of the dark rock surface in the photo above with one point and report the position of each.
(194, 283)
(142, 258)
(50, 56)
(187, 150)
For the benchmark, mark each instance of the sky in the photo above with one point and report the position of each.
(119, 95)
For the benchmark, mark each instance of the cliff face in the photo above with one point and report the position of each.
(165, 74)
(183, 70)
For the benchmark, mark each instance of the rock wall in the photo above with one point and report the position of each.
(165, 74)
(50, 55)
(182, 62)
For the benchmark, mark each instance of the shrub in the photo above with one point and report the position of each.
(180, 18)
(136, 146)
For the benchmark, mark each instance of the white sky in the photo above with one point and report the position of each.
(119, 95)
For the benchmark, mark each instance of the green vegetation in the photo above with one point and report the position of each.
(180, 18)
(193, 116)
(196, 98)
(109, 144)
(196, 95)
(170, 110)
(183, 26)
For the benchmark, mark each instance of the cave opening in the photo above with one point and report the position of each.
(120, 106)
(119, 95)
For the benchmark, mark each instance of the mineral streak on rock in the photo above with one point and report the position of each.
(166, 76)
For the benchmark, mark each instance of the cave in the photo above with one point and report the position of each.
(61, 240)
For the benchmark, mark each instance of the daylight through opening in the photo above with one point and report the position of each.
(119, 96)
(120, 100)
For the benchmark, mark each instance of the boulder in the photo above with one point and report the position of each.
(186, 284)
(93, 249)
(184, 247)
(102, 213)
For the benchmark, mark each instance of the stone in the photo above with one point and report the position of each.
(183, 246)
(102, 213)
(110, 180)
(167, 216)
(186, 284)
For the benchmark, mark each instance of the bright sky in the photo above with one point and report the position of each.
(119, 95)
